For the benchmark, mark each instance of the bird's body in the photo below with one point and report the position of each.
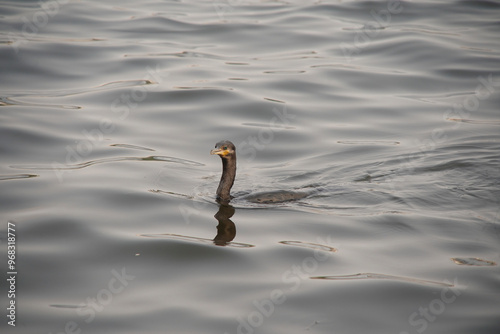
(227, 151)
(275, 196)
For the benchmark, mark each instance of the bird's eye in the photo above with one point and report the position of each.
(224, 148)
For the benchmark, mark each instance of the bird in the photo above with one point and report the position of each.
(227, 152)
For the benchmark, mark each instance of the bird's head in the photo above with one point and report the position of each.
(224, 149)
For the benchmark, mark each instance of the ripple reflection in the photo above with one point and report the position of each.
(375, 276)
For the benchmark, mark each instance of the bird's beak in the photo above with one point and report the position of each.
(217, 151)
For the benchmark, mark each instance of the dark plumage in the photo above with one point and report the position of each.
(227, 151)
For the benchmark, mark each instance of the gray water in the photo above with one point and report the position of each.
(386, 113)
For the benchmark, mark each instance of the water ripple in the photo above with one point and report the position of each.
(17, 176)
(473, 261)
(309, 245)
(134, 147)
(375, 276)
(172, 236)
(475, 121)
(108, 160)
(69, 92)
(8, 101)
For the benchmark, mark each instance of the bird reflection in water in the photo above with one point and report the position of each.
(226, 230)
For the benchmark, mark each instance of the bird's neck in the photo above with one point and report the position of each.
(227, 178)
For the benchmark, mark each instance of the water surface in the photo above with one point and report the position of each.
(387, 113)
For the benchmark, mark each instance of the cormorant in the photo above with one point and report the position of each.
(227, 151)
